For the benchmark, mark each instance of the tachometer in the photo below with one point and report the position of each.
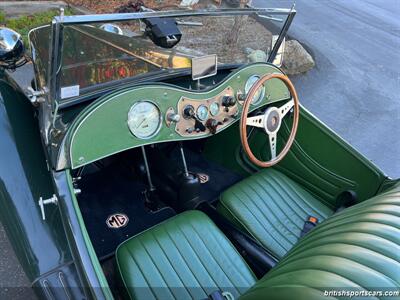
(144, 119)
(202, 112)
(260, 93)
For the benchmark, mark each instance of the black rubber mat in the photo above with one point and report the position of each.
(108, 194)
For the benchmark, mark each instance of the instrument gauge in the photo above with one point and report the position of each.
(214, 109)
(202, 112)
(144, 119)
(260, 93)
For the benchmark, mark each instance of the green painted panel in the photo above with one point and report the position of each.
(101, 129)
(319, 159)
(323, 162)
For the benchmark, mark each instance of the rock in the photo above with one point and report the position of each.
(188, 3)
(232, 3)
(212, 7)
(296, 59)
(130, 7)
(257, 56)
(248, 50)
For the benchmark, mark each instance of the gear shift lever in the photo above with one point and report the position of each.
(185, 168)
(189, 186)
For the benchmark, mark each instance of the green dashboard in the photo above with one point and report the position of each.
(158, 112)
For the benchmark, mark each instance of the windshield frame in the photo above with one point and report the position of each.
(56, 41)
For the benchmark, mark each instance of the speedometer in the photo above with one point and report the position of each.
(260, 93)
(144, 119)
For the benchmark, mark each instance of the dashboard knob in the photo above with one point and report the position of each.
(188, 112)
(228, 101)
(198, 126)
(212, 125)
(172, 117)
(241, 96)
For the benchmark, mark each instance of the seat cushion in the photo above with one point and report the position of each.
(185, 257)
(272, 208)
(358, 249)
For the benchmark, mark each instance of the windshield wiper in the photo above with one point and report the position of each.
(188, 23)
(270, 18)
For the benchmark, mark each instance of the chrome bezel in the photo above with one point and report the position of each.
(219, 108)
(246, 90)
(197, 112)
(159, 120)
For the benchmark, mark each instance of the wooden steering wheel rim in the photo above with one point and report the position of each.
(245, 111)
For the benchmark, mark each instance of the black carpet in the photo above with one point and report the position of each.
(109, 192)
(113, 190)
(220, 178)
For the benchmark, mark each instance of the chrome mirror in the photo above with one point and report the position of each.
(204, 66)
(12, 48)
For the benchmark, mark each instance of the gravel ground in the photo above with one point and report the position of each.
(13, 282)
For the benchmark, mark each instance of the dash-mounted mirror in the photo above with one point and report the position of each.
(204, 66)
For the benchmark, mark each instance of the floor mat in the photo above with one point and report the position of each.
(113, 210)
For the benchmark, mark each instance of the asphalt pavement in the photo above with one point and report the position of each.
(354, 88)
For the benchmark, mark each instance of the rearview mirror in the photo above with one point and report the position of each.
(204, 66)
(11, 47)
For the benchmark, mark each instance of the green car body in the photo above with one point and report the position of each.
(38, 157)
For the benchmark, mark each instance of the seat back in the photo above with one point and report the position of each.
(185, 257)
(357, 249)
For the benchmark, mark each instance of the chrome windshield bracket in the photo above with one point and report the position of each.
(36, 97)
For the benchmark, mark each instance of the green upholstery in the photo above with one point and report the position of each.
(358, 248)
(272, 208)
(185, 257)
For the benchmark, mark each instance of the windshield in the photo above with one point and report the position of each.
(96, 55)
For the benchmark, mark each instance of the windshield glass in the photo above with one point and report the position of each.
(96, 55)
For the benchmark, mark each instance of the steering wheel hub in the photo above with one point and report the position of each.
(272, 119)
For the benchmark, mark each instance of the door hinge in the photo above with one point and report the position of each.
(42, 202)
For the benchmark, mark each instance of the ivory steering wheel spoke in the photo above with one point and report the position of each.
(272, 145)
(256, 121)
(284, 109)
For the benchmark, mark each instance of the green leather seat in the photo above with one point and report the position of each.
(272, 208)
(185, 257)
(356, 249)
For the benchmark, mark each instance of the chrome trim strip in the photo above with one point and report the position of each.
(81, 19)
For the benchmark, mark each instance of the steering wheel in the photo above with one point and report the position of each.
(270, 121)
